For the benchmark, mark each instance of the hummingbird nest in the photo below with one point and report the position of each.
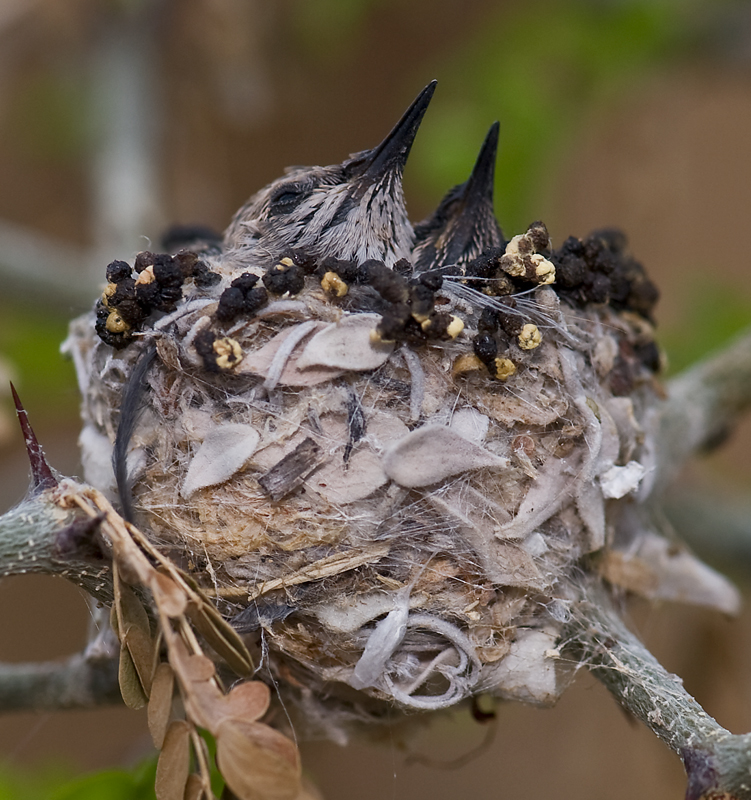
(390, 453)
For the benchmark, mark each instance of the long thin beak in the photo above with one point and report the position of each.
(478, 188)
(464, 223)
(391, 154)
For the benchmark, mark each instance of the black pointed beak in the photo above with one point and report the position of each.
(464, 224)
(391, 154)
(478, 188)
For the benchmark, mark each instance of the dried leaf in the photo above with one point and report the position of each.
(201, 694)
(347, 345)
(257, 762)
(160, 703)
(247, 701)
(168, 596)
(173, 767)
(135, 631)
(198, 669)
(259, 361)
(224, 452)
(660, 569)
(432, 453)
(528, 673)
(195, 789)
(222, 637)
(130, 684)
(289, 473)
(591, 507)
(546, 495)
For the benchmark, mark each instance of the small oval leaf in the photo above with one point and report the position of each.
(173, 767)
(160, 703)
(257, 762)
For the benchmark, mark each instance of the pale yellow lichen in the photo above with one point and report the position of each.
(504, 368)
(544, 269)
(146, 276)
(109, 291)
(376, 338)
(333, 284)
(456, 326)
(513, 265)
(228, 352)
(468, 362)
(116, 324)
(530, 337)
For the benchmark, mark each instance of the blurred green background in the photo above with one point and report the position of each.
(118, 117)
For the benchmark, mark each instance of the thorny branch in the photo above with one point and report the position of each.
(704, 402)
(39, 536)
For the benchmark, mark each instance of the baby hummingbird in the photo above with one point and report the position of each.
(354, 210)
(464, 224)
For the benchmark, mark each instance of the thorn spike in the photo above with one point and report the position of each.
(41, 473)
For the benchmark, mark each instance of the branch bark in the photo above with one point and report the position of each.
(704, 403)
(717, 762)
(39, 535)
(80, 682)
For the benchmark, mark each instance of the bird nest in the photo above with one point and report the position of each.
(389, 454)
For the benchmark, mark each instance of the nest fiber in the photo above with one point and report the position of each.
(391, 462)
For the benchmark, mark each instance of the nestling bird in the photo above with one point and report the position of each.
(354, 210)
(464, 224)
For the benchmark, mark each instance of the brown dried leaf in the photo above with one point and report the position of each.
(257, 762)
(168, 596)
(130, 684)
(221, 636)
(195, 674)
(247, 701)
(134, 630)
(173, 766)
(199, 669)
(195, 789)
(128, 557)
(160, 703)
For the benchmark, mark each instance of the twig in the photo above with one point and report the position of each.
(79, 682)
(46, 271)
(718, 527)
(704, 403)
(716, 760)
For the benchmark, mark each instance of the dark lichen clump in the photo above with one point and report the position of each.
(599, 270)
(595, 270)
(128, 301)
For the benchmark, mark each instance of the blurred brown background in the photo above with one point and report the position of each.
(117, 118)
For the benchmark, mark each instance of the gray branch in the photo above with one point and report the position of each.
(53, 272)
(79, 682)
(704, 403)
(717, 527)
(39, 536)
(716, 760)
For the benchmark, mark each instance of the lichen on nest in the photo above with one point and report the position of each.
(389, 453)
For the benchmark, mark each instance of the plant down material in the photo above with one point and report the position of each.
(395, 480)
